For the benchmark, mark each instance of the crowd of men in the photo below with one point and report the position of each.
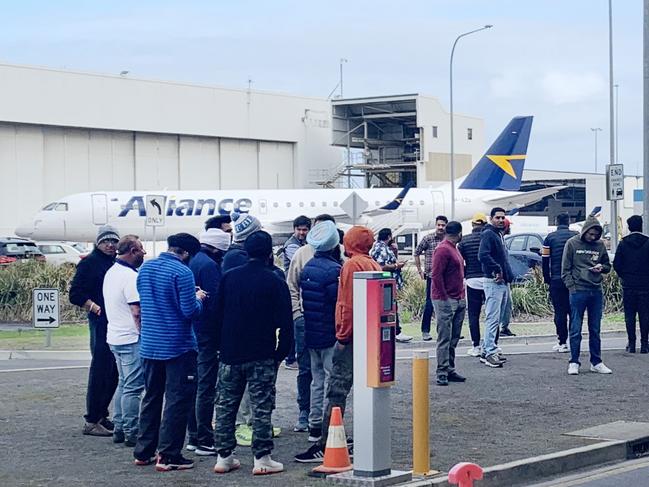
(194, 337)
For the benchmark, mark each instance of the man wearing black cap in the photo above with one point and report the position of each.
(168, 301)
(86, 292)
(251, 303)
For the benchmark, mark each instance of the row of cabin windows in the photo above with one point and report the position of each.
(469, 133)
(312, 204)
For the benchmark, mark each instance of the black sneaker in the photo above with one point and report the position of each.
(130, 441)
(118, 437)
(492, 361)
(501, 357)
(205, 451)
(141, 462)
(315, 434)
(455, 377)
(107, 423)
(166, 464)
(507, 332)
(314, 454)
(442, 380)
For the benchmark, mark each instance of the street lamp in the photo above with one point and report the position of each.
(488, 26)
(595, 130)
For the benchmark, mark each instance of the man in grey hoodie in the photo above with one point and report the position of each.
(584, 261)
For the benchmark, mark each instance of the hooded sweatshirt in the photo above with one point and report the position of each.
(580, 256)
(632, 261)
(358, 241)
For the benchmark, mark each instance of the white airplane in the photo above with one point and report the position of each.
(494, 181)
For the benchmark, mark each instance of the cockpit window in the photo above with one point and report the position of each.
(62, 207)
(50, 207)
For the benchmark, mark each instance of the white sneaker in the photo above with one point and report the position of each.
(402, 337)
(474, 351)
(563, 348)
(266, 465)
(600, 368)
(573, 369)
(227, 464)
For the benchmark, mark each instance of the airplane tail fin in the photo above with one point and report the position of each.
(396, 202)
(501, 168)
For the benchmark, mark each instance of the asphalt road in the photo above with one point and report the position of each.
(633, 473)
(498, 415)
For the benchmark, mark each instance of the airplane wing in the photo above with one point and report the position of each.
(343, 217)
(521, 199)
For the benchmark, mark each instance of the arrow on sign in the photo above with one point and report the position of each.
(157, 205)
(50, 319)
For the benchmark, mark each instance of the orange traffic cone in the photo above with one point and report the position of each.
(336, 456)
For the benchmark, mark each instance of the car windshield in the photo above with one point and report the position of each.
(50, 207)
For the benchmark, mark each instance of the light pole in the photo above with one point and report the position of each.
(617, 124)
(611, 114)
(488, 26)
(342, 60)
(595, 130)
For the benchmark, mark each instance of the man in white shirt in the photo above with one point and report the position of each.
(122, 303)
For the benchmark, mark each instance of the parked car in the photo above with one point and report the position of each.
(14, 249)
(58, 253)
(524, 253)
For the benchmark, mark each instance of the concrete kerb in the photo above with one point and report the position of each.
(535, 469)
(45, 355)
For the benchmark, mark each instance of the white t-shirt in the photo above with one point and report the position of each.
(120, 290)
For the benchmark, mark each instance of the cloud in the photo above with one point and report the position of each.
(565, 88)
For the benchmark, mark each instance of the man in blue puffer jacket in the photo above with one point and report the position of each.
(319, 285)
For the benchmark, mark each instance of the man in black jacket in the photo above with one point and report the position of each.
(86, 292)
(468, 247)
(552, 253)
(497, 275)
(632, 265)
(253, 303)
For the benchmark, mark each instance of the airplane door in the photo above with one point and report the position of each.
(439, 204)
(99, 209)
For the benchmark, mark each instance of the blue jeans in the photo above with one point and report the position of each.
(304, 366)
(129, 388)
(495, 303)
(581, 301)
(428, 309)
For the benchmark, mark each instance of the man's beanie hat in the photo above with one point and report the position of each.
(323, 237)
(244, 225)
(107, 232)
(186, 242)
(259, 245)
(215, 237)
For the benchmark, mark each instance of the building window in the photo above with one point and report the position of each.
(469, 134)
(434, 131)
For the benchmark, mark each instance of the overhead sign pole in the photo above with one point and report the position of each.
(155, 213)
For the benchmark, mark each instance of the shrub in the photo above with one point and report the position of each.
(530, 298)
(16, 284)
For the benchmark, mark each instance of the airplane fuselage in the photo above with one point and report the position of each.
(77, 217)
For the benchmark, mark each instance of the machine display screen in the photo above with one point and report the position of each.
(387, 297)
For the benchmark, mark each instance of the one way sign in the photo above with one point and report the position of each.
(45, 308)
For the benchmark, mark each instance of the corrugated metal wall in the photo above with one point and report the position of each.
(39, 164)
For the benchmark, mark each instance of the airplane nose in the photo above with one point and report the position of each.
(25, 231)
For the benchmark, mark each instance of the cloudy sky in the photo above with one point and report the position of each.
(545, 58)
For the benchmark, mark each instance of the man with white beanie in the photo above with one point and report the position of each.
(206, 267)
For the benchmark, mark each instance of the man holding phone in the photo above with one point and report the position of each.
(584, 262)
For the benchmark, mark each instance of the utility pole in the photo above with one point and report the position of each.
(595, 130)
(645, 118)
(613, 223)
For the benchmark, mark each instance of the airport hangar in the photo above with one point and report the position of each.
(64, 132)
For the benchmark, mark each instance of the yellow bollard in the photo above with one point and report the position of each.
(420, 415)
